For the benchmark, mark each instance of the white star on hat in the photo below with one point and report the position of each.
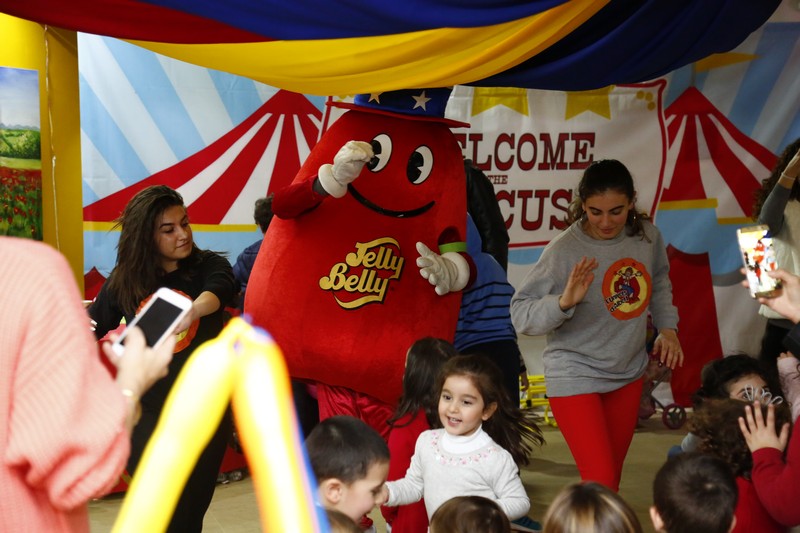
(421, 101)
(375, 97)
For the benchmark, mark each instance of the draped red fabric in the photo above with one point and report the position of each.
(129, 19)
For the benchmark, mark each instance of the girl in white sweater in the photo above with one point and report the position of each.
(477, 452)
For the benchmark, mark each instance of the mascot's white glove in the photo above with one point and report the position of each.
(346, 167)
(447, 272)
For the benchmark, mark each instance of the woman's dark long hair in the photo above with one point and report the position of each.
(603, 176)
(423, 363)
(511, 427)
(769, 183)
(138, 270)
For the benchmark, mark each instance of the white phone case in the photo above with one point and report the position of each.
(157, 319)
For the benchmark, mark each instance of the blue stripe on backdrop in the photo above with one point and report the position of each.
(154, 88)
(239, 95)
(773, 53)
(793, 132)
(107, 137)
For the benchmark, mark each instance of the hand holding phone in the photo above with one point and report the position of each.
(157, 319)
(758, 256)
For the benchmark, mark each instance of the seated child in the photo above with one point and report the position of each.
(350, 461)
(694, 492)
(716, 426)
(590, 507)
(469, 514)
(727, 377)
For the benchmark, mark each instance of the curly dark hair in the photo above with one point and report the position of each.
(602, 176)
(717, 427)
(718, 375)
(514, 429)
(769, 183)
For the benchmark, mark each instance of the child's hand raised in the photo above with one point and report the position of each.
(759, 434)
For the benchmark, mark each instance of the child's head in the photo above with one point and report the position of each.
(590, 507)
(716, 425)
(341, 523)
(727, 378)
(694, 492)
(471, 394)
(469, 514)
(424, 360)
(350, 461)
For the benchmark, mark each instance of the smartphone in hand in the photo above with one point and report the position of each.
(157, 319)
(758, 256)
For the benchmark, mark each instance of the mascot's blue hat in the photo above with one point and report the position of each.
(415, 104)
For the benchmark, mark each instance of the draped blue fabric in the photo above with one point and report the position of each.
(616, 41)
(319, 19)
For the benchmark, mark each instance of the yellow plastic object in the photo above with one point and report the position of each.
(246, 364)
(270, 436)
(536, 396)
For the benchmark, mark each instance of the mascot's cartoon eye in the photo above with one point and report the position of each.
(382, 148)
(420, 165)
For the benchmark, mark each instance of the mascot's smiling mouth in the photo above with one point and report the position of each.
(387, 212)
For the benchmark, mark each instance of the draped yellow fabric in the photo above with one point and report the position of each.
(431, 58)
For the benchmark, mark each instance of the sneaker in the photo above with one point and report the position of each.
(525, 523)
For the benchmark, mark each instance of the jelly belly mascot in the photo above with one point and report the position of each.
(366, 253)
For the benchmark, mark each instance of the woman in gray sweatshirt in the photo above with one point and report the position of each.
(590, 293)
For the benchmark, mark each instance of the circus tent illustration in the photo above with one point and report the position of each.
(707, 153)
(221, 182)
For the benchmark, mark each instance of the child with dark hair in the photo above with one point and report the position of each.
(717, 428)
(590, 507)
(728, 377)
(590, 292)
(416, 412)
(477, 452)
(350, 461)
(470, 514)
(694, 492)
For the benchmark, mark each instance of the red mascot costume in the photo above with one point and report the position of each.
(365, 255)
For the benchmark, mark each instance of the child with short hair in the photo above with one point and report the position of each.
(694, 492)
(477, 452)
(416, 412)
(469, 514)
(717, 427)
(350, 461)
(590, 507)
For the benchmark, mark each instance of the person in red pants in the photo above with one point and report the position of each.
(590, 293)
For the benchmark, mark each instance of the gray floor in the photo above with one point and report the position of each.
(234, 508)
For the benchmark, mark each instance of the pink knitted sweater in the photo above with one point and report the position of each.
(62, 430)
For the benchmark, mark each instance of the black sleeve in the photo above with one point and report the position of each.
(485, 211)
(792, 340)
(105, 312)
(218, 278)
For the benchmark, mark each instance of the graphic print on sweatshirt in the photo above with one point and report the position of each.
(626, 289)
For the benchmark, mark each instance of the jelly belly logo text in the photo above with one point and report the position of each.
(626, 289)
(364, 276)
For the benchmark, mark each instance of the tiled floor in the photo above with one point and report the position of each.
(234, 508)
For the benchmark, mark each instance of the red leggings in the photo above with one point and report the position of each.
(598, 429)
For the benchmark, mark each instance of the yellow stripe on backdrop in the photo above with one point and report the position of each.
(430, 58)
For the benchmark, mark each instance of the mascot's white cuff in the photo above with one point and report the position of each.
(462, 270)
(329, 183)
